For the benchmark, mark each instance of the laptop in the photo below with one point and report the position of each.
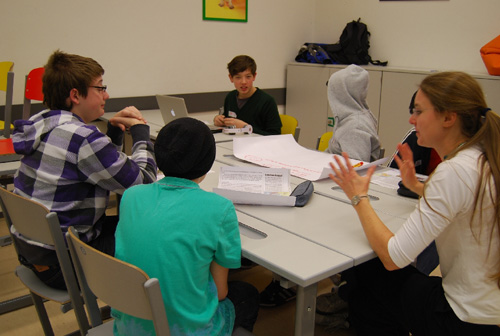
(172, 108)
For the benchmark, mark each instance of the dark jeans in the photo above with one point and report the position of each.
(245, 299)
(52, 275)
(397, 302)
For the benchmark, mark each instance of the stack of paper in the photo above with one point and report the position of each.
(255, 185)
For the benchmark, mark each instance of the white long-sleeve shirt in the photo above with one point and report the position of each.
(466, 258)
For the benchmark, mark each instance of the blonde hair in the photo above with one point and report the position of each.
(460, 93)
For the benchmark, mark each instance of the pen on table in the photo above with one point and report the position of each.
(359, 164)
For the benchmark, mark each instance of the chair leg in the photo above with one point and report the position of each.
(42, 315)
(81, 317)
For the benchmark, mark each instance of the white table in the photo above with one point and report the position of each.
(327, 222)
(289, 255)
(155, 122)
(9, 168)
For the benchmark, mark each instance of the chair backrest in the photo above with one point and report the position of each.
(121, 285)
(289, 125)
(32, 90)
(5, 68)
(7, 85)
(382, 153)
(34, 221)
(30, 219)
(323, 141)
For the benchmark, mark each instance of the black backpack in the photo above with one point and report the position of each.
(353, 46)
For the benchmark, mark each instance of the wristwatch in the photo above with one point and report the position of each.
(356, 199)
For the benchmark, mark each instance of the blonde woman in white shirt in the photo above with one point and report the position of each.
(459, 209)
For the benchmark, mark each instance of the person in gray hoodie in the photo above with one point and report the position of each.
(355, 132)
(355, 129)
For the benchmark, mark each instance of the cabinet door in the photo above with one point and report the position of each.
(397, 89)
(306, 100)
(373, 98)
(491, 89)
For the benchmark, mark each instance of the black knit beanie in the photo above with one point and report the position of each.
(185, 148)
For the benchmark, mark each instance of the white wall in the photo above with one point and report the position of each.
(440, 35)
(164, 46)
(154, 46)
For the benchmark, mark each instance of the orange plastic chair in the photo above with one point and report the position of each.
(32, 90)
(7, 85)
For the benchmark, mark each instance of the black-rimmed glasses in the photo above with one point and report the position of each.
(100, 88)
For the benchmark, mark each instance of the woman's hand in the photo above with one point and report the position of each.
(377, 233)
(406, 166)
(348, 179)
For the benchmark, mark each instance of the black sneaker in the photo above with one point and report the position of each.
(328, 304)
(247, 264)
(274, 295)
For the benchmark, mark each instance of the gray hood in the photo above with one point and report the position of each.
(355, 129)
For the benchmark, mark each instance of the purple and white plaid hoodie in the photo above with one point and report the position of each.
(71, 167)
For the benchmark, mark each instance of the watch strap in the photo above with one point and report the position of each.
(357, 198)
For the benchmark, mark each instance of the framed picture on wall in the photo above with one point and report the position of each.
(225, 10)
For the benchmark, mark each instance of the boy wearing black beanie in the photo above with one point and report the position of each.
(186, 237)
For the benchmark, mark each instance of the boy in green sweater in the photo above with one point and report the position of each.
(248, 104)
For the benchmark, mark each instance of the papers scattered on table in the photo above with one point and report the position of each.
(389, 178)
(255, 185)
(282, 151)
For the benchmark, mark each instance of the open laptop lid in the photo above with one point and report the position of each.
(171, 108)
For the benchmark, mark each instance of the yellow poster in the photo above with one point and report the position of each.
(225, 10)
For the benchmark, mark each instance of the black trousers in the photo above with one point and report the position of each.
(397, 302)
(245, 299)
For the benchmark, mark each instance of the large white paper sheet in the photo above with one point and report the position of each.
(282, 151)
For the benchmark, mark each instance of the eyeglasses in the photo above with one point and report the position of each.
(100, 88)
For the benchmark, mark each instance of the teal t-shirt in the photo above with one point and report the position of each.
(173, 230)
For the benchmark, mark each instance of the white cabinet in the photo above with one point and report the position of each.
(307, 101)
(389, 95)
(393, 122)
(306, 95)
